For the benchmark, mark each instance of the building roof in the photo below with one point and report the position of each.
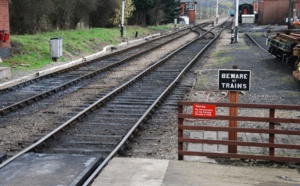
(188, 1)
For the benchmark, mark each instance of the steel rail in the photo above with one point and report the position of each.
(253, 40)
(157, 101)
(95, 104)
(108, 96)
(64, 86)
(94, 60)
(257, 44)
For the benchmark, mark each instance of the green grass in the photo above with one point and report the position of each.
(161, 27)
(33, 51)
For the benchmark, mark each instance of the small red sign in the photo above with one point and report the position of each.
(206, 111)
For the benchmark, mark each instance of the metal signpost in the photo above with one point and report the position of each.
(217, 12)
(236, 20)
(122, 21)
(234, 81)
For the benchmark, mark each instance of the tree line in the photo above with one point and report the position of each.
(33, 16)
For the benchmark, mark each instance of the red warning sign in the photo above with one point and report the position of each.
(206, 111)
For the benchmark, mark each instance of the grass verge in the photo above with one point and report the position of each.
(33, 51)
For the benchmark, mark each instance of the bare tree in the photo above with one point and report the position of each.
(105, 11)
(32, 16)
(28, 16)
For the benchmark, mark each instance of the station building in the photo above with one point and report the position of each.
(276, 11)
(270, 11)
(188, 13)
(4, 29)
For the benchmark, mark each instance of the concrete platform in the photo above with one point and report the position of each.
(5, 72)
(151, 172)
(44, 169)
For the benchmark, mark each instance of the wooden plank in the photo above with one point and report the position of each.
(241, 156)
(295, 35)
(243, 105)
(248, 130)
(239, 143)
(246, 118)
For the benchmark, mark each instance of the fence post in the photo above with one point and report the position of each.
(180, 132)
(271, 136)
(233, 111)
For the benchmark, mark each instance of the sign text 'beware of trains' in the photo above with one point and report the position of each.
(234, 80)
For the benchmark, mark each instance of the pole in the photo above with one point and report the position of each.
(200, 9)
(233, 111)
(207, 6)
(217, 11)
(236, 20)
(122, 21)
(290, 15)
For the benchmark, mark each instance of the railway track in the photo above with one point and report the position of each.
(37, 120)
(29, 92)
(103, 128)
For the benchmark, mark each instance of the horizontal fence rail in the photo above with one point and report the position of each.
(267, 127)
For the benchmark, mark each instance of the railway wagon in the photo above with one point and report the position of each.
(286, 47)
(232, 13)
(244, 9)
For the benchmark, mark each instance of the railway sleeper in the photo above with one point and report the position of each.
(28, 142)
(10, 154)
(16, 149)
(80, 150)
(94, 137)
(143, 151)
(93, 142)
(122, 151)
(111, 123)
(87, 144)
(2, 157)
(126, 110)
(109, 114)
(130, 103)
(118, 106)
(103, 132)
(3, 113)
(30, 101)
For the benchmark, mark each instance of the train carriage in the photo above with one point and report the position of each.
(245, 9)
(286, 47)
(232, 13)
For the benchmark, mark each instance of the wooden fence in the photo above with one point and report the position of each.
(232, 143)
